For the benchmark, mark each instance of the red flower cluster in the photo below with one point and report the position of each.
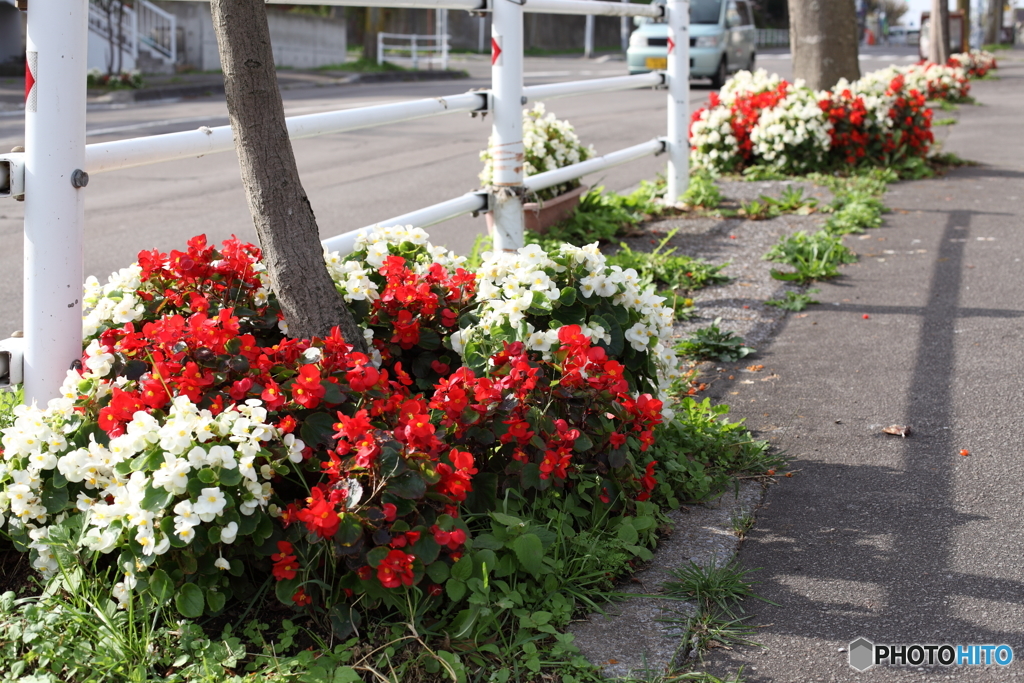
(410, 303)
(396, 569)
(745, 111)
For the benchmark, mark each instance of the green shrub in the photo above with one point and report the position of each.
(815, 257)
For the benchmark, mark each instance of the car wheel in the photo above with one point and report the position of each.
(753, 62)
(718, 80)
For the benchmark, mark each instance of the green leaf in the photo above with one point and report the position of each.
(507, 520)
(456, 589)
(207, 475)
(189, 601)
(567, 297)
(376, 556)
(487, 541)
(530, 553)
(231, 477)
(161, 586)
(426, 549)
(156, 499)
(627, 533)
(463, 569)
(438, 572)
(318, 430)
(408, 485)
(54, 499)
(429, 340)
(215, 600)
(484, 495)
(582, 443)
(576, 314)
(350, 529)
(286, 589)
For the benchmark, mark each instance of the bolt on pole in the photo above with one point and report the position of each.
(678, 17)
(57, 44)
(507, 130)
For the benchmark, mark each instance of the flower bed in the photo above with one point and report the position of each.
(196, 444)
(977, 63)
(881, 119)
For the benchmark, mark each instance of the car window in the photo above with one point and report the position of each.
(744, 11)
(705, 11)
(732, 16)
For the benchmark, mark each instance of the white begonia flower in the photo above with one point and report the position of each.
(228, 533)
(172, 475)
(221, 563)
(210, 503)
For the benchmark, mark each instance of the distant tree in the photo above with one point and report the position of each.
(938, 39)
(823, 40)
(964, 7)
(994, 22)
(281, 212)
(113, 10)
(894, 9)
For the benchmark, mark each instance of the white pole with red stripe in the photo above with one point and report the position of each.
(678, 18)
(507, 131)
(57, 45)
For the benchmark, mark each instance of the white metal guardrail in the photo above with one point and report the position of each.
(773, 37)
(52, 174)
(415, 46)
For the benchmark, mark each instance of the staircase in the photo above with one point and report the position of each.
(145, 30)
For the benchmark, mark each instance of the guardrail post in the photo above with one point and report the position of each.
(507, 130)
(54, 201)
(678, 17)
(415, 57)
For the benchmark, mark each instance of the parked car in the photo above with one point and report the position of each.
(723, 40)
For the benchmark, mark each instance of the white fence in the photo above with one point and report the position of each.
(415, 46)
(52, 174)
(773, 37)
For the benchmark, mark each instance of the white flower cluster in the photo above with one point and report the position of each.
(975, 59)
(114, 303)
(749, 83)
(713, 141)
(937, 80)
(511, 286)
(793, 136)
(548, 143)
(123, 485)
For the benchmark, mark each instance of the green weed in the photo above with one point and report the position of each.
(712, 343)
(760, 210)
(815, 256)
(713, 587)
(755, 173)
(793, 301)
(666, 269)
(702, 192)
(9, 400)
(946, 121)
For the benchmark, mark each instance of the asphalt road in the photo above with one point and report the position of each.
(352, 179)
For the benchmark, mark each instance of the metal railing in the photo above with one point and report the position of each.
(51, 175)
(143, 26)
(414, 46)
(773, 37)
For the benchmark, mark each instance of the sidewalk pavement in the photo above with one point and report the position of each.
(902, 540)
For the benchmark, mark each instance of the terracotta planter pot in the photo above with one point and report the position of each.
(539, 216)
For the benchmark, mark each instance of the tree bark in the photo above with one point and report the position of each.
(280, 210)
(964, 7)
(994, 25)
(938, 33)
(823, 40)
(374, 25)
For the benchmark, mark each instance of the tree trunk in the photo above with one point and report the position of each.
(823, 38)
(374, 25)
(994, 28)
(964, 7)
(281, 212)
(938, 33)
